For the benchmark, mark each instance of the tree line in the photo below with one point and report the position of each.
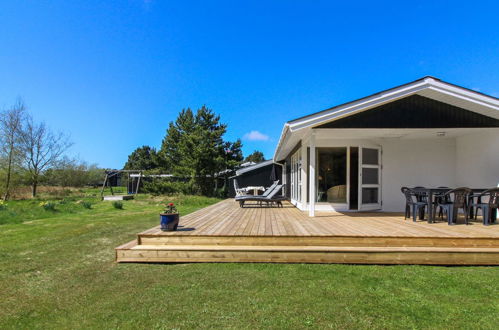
(195, 152)
(32, 154)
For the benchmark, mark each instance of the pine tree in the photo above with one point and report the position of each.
(175, 153)
(194, 148)
(208, 156)
(256, 157)
(234, 154)
(142, 158)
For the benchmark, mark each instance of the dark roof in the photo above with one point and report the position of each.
(254, 167)
(388, 90)
(402, 112)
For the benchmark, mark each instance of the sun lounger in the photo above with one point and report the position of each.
(270, 199)
(265, 194)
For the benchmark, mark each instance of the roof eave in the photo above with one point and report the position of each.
(380, 98)
(254, 167)
(284, 132)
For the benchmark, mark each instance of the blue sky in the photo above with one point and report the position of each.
(114, 73)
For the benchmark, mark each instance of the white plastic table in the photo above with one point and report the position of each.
(255, 189)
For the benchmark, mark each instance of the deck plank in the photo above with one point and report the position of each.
(227, 218)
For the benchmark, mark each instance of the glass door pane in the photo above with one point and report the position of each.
(370, 179)
(370, 175)
(332, 175)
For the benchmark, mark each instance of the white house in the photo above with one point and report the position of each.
(357, 156)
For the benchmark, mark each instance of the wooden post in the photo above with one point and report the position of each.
(311, 185)
(110, 187)
(138, 183)
(128, 183)
(109, 181)
(103, 186)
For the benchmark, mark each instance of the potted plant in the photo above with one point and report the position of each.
(169, 218)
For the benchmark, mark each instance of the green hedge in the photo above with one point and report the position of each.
(169, 188)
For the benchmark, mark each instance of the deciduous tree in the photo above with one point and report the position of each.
(11, 124)
(42, 149)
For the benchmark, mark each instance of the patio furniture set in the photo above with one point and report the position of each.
(448, 202)
(270, 195)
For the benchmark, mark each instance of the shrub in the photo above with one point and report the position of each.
(3, 205)
(48, 206)
(221, 193)
(118, 205)
(169, 188)
(86, 205)
(59, 192)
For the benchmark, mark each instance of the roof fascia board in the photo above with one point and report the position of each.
(465, 94)
(394, 94)
(281, 141)
(254, 167)
(357, 106)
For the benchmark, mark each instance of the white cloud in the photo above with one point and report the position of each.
(256, 136)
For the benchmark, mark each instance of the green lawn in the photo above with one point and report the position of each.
(57, 270)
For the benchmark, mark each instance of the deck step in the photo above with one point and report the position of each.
(351, 241)
(276, 248)
(132, 252)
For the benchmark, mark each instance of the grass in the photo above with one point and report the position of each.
(57, 270)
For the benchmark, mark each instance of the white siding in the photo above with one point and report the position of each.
(421, 162)
(471, 160)
(477, 162)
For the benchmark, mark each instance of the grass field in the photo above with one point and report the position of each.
(57, 270)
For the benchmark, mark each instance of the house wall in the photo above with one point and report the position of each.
(415, 162)
(287, 163)
(426, 162)
(477, 162)
(470, 160)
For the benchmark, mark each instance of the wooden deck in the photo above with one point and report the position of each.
(224, 232)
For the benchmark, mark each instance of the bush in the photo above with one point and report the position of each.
(221, 193)
(169, 188)
(118, 205)
(48, 206)
(59, 192)
(3, 205)
(87, 205)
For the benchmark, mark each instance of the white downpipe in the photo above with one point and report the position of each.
(311, 179)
